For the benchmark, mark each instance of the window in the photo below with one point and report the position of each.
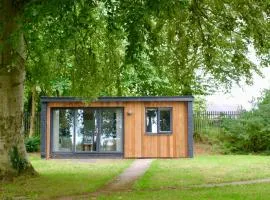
(158, 120)
(96, 130)
(63, 121)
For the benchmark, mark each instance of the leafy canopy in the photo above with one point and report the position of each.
(147, 47)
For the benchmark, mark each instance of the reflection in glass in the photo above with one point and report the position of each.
(111, 130)
(165, 120)
(63, 127)
(86, 129)
(151, 120)
(94, 129)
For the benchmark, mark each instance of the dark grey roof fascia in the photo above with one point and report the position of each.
(119, 99)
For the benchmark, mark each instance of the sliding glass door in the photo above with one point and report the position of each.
(86, 123)
(63, 128)
(98, 130)
(111, 130)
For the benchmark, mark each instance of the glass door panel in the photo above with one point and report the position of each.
(63, 128)
(111, 130)
(87, 130)
(86, 121)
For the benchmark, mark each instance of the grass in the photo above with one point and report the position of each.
(165, 179)
(244, 192)
(174, 178)
(63, 178)
(204, 170)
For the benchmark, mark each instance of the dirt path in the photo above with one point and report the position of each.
(212, 185)
(266, 180)
(123, 182)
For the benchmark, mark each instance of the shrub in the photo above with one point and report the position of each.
(211, 136)
(250, 132)
(32, 144)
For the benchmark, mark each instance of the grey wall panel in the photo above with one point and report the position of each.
(43, 129)
(190, 129)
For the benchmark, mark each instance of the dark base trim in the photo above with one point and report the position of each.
(42, 155)
(156, 157)
(86, 155)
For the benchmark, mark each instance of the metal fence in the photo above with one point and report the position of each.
(202, 120)
(26, 123)
(212, 119)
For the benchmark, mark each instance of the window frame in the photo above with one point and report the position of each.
(74, 151)
(159, 132)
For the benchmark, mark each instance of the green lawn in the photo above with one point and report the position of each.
(63, 178)
(245, 192)
(165, 179)
(182, 174)
(204, 170)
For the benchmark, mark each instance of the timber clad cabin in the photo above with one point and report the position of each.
(128, 127)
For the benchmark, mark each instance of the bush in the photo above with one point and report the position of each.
(32, 144)
(210, 135)
(250, 132)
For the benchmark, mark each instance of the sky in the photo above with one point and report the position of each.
(240, 96)
(243, 95)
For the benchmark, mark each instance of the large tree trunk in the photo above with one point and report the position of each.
(13, 157)
(33, 112)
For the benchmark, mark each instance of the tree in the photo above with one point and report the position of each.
(200, 104)
(169, 47)
(13, 158)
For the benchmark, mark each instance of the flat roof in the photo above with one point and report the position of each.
(119, 99)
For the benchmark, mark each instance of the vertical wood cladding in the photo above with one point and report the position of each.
(138, 144)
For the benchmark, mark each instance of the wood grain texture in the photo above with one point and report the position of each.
(138, 144)
(137, 129)
(165, 146)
